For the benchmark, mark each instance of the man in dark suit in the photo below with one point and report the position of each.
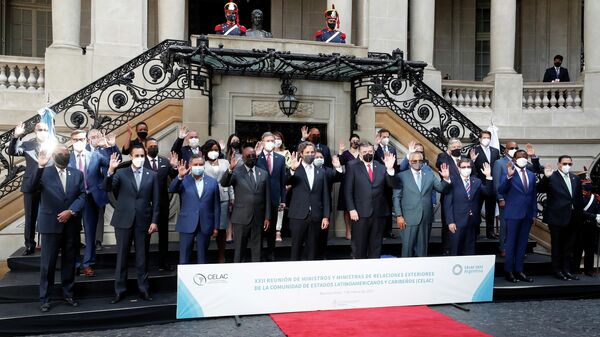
(382, 140)
(186, 152)
(310, 204)
(463, 208)
(141, 130)
(333, 175)
(586, 239)
(563, 213)
(557, 73)
(135, 217)
(517, 187)
(274, 164)
(31, 200)
(200, 212)
(484, 153)
(92, 165)
(252, 208)
(365, 199)
(164, 171)
(314, 136)
(62, 200)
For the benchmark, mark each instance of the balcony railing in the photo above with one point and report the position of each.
(21, 73)
(552, 96)
(468, 96)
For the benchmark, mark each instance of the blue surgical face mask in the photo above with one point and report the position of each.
(198, 171)
(319, 162)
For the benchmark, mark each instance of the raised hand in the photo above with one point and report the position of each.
(377, 139)
(129, 130)
(486, 170)
(445, 171)
(43, 158)
(174, 160)
(510, 169)
(304, 131)
(342, 147)
(114, 163)
(233, 163)
(548, 170)
(258, 148)
(389, 160)
(530, 150)
(412, 147)
(19, 130)
(182, 169)
(473, 154)
(111, 139)
(335, 160)
(295, 161)
(183, 131)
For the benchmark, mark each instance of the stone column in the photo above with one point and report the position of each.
(502, 38)
(388, 25)
(591, 33)
(344, 8)
(66, 22)
(362, 31)
(422, 36)
(171, 19)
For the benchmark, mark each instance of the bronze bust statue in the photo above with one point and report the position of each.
(256, 30)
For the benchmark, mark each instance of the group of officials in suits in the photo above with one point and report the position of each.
(72, 188)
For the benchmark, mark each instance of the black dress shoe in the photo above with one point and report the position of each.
(45, 307)
(510, 277)
(145, 296)
(492, 236)
(589, 273)
(70, 301)
(117, 299)
(165, 267)
(570, 276)
(28, 251)
(523, 277)
(559, 275)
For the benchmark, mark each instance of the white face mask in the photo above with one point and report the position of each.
(138, 162)
(522, 162)
(485, 141)
(78, 146)
(278, 142)
(269, 146)
(319, 162)
(511, 153)
(194, 142)
(465, 172)
(212, 155)
(385, 141)
(565, 169)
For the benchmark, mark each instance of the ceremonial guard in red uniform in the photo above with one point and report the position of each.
(330, 34)
(232, 27)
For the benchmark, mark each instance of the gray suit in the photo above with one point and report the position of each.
(252, 206)
(416, 208)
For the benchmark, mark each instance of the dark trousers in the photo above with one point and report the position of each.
(90, 224)
(100, 225)
(67, 243)
(516, 243)
(445, 231)
(367, 237)
(247, 236)
(140, 239)
(322, 244)
(163, 232)
(186, 245)
(269, 236)
(585, 241)
(560, 239)
(462, 242)
(305, 233)
(490, 215)
(31, 203)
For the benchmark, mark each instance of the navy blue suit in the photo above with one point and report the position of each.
(56, 235)
(277, 180)
(489, 199)
(184, 152)
(198, 216)
(464, 210)
(325, 34)
(519, 211)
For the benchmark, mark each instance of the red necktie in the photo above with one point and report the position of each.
(370, 172)
(269, 163)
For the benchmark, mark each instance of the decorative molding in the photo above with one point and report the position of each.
(271, 109)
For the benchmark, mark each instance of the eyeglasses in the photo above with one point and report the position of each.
(567, 164)
(513, 148)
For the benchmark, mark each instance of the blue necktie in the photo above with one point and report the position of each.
(138, 178)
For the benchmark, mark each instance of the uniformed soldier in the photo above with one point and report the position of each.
(330, 34)
(586, 235)
(232, 27)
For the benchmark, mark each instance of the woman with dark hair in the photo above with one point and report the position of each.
(280, 149)
(347, 156)
(215, 168)
(234, 148)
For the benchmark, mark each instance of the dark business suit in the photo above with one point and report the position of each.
(489, 198)
(308, 206)
(551, 74)
(164, 171)
(586, 238)
(184, 152)
(277, 180)
(31, 200)
(519, 212)
(136, 208)
(368, 199)
(563, 212)
(332, 176)
(198, 216)
(464, 210)
(445, 158)
(56, 236)
(251, 207)
(132, 143)
(380, 156)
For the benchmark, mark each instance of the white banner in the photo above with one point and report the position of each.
(209, 290)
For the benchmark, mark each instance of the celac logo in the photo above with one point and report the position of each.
(200, 279)
(457, 269)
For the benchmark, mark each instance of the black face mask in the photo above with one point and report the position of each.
(331, 25)
(142, 134)
(354, 145)
(557, 64)
(235, 145)
(250, 161)
(153, 152)
(455, 153)
(316, 139)
(368, 157)
(230, 17)
(61, 160)
(309, 159)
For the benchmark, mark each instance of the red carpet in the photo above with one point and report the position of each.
(419, 321)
